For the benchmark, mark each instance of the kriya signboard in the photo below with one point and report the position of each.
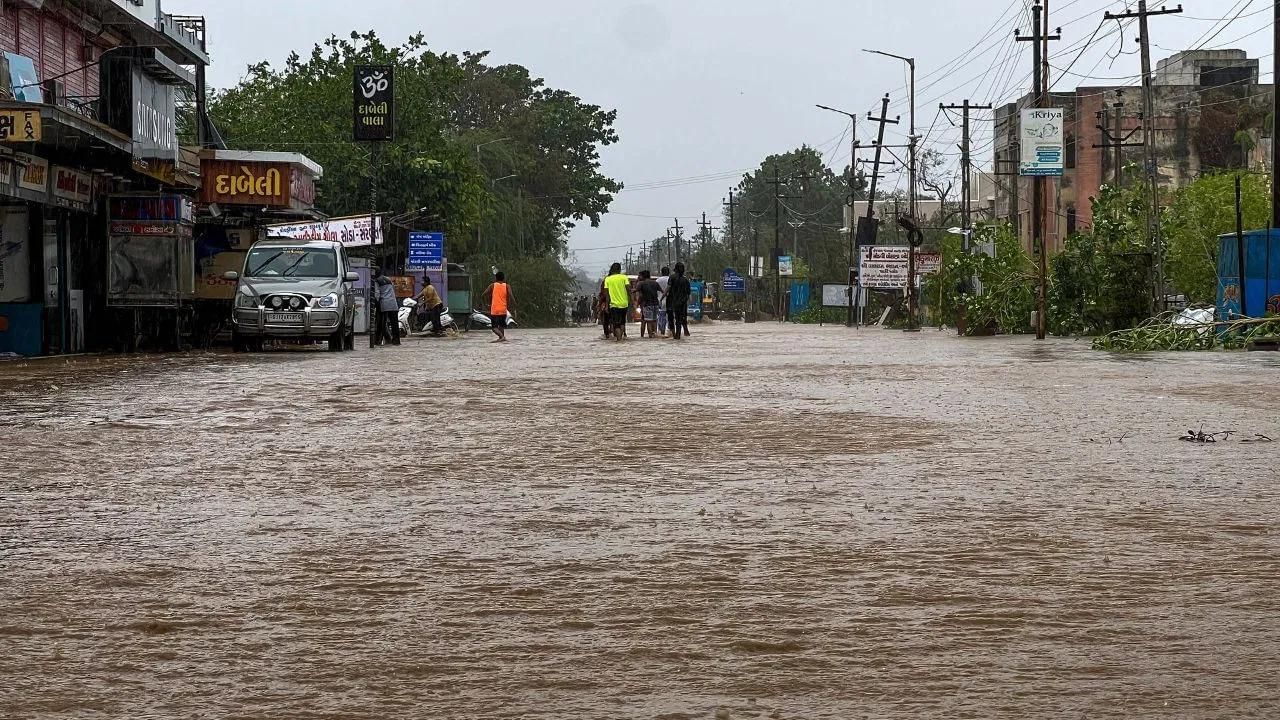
(373, 101)
(1042, 141)
(426, 251)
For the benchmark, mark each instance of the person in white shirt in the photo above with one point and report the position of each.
(664, 280)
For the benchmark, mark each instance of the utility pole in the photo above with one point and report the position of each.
(677, 229)
(732, 205)
(1149, 137)
(705, 234)
(1275, 113)
(1038, 224)
(1116, 139)
(777, 183)
(755, 253)
(853, 191)
(966, 167)
(875, 177)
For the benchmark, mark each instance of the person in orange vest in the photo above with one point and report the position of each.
(500, 299)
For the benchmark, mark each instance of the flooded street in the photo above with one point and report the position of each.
(763, 522)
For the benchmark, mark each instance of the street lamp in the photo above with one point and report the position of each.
(853, 236)
(480, 165)
(911, 186)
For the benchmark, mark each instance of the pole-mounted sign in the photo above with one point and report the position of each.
(373, 102)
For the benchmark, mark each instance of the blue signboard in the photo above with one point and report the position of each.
(732, 282)
(426, 251)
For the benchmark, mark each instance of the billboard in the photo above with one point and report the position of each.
(1042, 142)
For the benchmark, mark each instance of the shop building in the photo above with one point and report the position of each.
(89, 113)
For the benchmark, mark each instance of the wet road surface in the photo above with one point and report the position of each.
(759, 523)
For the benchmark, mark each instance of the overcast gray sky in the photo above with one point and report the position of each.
(706, 88)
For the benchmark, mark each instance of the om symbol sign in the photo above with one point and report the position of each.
(373, 83)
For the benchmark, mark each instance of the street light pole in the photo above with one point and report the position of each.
(480, 166)
(853, 220)
(913, 141)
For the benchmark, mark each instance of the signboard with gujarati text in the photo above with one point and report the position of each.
(356, 231)
(426, 251)
(20, 126)
(884, 267)
(1042, 142)
(373, 102)
(228, 182)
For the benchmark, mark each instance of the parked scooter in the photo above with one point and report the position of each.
(482, 321)
(412, 321)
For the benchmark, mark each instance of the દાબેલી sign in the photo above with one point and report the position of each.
(373, 102)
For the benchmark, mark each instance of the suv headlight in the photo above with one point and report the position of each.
(246, 300)
(328, 301)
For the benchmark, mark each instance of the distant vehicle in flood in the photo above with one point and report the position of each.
(291, 289)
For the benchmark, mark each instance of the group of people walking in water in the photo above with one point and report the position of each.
(663, 303)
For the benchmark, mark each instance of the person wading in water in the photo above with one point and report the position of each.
(500, 299)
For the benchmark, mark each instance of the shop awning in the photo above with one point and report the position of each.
(69, 130)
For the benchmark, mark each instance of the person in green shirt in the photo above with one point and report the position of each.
(619, 288)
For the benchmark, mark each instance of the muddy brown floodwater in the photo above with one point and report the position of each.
(763, 522)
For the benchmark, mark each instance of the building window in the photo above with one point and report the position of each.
(1071, 220)
(1070, 152)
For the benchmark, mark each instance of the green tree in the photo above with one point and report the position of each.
(1102, 279)
(511, 203)
(1198, 214)
(811, 218)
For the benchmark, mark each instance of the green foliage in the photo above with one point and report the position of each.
(1101, 281)
(1198, 214)
(819, 197)
(1160, 334)
(816, 314)
(446, 106)
(1007, 281)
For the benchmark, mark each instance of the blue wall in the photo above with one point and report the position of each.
(1262, 274)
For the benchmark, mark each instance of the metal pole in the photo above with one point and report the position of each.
(1275, 113)
(1149, 150)
(1240, 250)
(1119, 130)
(912, 310)
(965, 162)
(777, 243)
(853, 220)
(1037, 200)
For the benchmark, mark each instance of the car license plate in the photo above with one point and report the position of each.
(284, 317)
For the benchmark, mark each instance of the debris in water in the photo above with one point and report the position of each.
(1200, 436)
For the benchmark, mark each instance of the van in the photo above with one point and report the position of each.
(294, 289)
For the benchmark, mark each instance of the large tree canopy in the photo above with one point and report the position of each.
(477, 147)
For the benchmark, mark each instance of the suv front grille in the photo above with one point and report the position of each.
(285, 302)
